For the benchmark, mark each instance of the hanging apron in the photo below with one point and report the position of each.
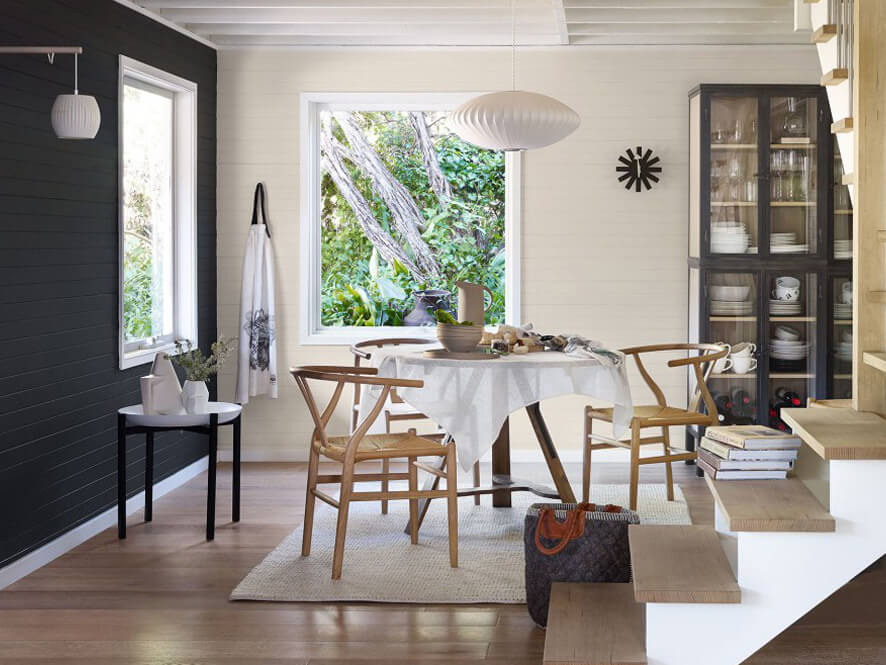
(257, 349)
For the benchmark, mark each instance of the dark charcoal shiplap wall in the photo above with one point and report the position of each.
(59, 379)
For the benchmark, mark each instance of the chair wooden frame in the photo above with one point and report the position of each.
(660, 415)
(345, 450)
(362, 351)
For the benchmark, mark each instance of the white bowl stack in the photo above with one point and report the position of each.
(785, 349)
(729, 238)
(730, 301)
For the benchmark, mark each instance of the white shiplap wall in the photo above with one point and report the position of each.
(597, 260)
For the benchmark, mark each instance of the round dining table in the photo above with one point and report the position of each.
(471, 400)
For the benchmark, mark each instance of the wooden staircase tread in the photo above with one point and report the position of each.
(835, 76)
(839, 434)
(876, 359)
(680, 564)
(595, 624)
(824, 34)
(770, 505)
(842, 125)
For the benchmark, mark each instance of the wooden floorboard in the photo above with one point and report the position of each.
(161, 598)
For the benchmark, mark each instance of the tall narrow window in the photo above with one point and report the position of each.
(157, 247)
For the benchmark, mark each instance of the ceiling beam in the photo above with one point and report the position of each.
(560, 21)
(680, 15)
(699, 28)
(499, 5)
(272, 41)
(701, 5)
(526, 18)
(430, 30)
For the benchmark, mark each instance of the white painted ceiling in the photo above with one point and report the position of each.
(236, 23)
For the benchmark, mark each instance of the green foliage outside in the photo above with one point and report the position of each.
(466, 237)
(138, 258)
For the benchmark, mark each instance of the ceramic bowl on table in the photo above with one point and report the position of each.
(459, 339)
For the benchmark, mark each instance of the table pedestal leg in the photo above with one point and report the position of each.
(121, 476)
(210, 492)
(564, 489)
(501, 463)
(149, 476)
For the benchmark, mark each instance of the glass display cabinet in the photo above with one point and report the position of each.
(769, 248)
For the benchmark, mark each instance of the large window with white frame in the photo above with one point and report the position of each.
(158, 254)
(395, 204)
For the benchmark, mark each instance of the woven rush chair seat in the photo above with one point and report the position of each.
(650, 413)
(384, 446)
(702, 411)
(359, 447)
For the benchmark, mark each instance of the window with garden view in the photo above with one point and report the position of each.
(405, 205)
(158, 290)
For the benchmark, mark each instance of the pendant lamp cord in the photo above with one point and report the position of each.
(513, 44)
(76, 82)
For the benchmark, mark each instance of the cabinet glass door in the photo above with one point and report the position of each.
(732, 308)
(841, 337)
(734, 155)
(793, 127)
(842, 210)
(791, 331)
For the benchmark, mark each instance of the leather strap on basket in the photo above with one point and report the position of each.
(569, 529)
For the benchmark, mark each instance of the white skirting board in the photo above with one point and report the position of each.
(80, 534)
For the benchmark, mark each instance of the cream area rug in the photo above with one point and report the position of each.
(381, 565)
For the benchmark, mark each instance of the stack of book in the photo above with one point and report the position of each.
(747, 452)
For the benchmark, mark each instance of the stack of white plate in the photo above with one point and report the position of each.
(842, 249)
(730, 300)
(729, 238)
(784, 349)
(785, 307)
(731, 308)
(786, 243)
(842, 310)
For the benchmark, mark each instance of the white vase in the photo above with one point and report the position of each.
(195, 397)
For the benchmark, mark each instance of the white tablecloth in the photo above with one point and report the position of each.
(472, 399)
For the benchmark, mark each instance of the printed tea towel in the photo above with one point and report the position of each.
(257, 357)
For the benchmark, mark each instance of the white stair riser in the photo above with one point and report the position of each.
(782, 576)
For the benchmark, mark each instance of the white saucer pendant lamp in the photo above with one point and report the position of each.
(513, 120)
(76, 116)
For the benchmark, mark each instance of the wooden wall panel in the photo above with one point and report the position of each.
(59, 379)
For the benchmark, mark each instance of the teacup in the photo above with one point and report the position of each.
(743, 350)
(786, 288)
(786, 293)
(847, 293)
(722, 365)
(744, 364)
(847, 337)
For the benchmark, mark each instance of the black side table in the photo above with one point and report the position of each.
(131, 420)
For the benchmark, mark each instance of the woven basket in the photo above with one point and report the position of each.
(600, 554)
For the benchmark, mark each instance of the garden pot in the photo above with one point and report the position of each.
(195, 397)
(426, 301)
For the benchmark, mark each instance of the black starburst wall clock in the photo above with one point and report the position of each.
(638, 170)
